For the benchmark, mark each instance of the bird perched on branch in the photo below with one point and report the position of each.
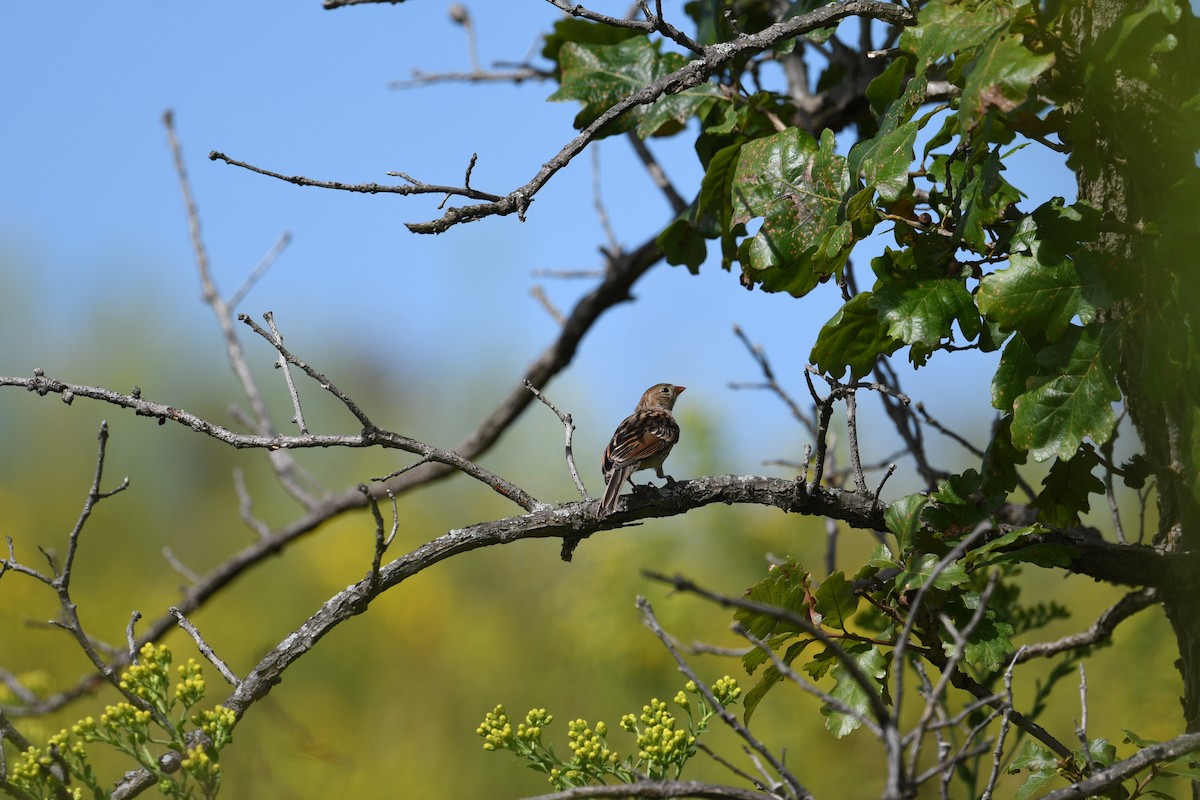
(642, 441)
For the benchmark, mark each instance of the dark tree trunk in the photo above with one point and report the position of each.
(1130, 183)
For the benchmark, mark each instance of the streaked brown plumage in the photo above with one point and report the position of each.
(642, 441)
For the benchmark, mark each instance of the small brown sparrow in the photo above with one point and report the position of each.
(642, 441)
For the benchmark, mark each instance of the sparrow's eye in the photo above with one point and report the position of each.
(665, 390)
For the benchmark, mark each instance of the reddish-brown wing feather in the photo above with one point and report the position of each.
(640, 438)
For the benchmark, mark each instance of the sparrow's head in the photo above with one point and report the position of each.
(661, 395)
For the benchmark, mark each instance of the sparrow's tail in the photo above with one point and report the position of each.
(613, 488)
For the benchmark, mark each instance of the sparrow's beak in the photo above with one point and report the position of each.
(679, 389)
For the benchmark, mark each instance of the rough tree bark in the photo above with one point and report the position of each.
(1129, 184)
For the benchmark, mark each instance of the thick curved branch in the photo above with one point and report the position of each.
(570, 522)
(575, 522)
(657, 789)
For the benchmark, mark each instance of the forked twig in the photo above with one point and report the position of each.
(568, 432)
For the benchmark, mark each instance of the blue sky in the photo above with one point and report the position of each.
(91, 216)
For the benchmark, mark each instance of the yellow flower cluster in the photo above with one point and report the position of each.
(664, 745)
(200, 765)
(149, 679)
(660, 742)
(495, 729)
(217, 724)
(589, 746)
(531, 729)
(190, 689)
(49, 771)
(122, 717)
(726, 690)
(35, 770)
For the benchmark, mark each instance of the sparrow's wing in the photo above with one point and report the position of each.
(639, 438)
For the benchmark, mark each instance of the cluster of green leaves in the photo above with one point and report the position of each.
(836, 625)
(154, 734)
(827, 625)
(665, 742)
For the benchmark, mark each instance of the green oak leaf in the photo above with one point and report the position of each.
(668, 114)
(957, 505)
(820, 664)
(881, 558)
(947, 27)
(1059, 229)
(861, 214)
(985, 198)
(1099, 751)
(999, 78)
(1066, 488)
(1016, 372)
(836, 601)
(988, 646)
(975, 558)
(786, 586)
(683, 241)
(872, 664)
(600, 75)
(771, 676)
(991, 338)
(921, 311)
(716, 187)
(715, 199)
(1041, 290)
(920, 570)
(581, 31)
(1074, 397)
(906, 106)
(1045, 554)
(755, 657)
(943, 136)
(887, 85)
(903, 519)
(855, 338)
(1041, 765)
(797, 187)
(884, 160)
